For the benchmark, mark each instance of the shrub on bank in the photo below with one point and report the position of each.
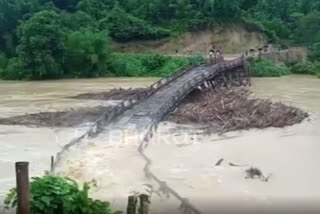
(137, 65)
(14, 70)
(53, 194)
(3, 63)
(316, 69)
(306, 68)
(303, 68)
(266, 68)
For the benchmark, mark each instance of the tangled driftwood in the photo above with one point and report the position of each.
(114, 94)
(228, 110)
(68, 118)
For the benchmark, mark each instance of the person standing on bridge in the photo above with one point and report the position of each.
(218, 55)
(211, 55)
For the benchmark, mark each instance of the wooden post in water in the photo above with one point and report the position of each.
(144, 204)
(132, 205)
(52, 165)
(22, 177)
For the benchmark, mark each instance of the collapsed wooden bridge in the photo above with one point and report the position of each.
(164, 96)
(146, 109)
(141, 113)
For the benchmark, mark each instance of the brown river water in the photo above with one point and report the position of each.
(182, 156)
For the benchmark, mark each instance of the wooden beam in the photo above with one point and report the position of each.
(22, 178)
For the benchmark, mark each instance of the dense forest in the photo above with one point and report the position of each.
(45, 39)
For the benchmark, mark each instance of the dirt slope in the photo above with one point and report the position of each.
(233, 39)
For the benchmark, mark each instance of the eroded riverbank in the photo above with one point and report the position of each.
(188, 161)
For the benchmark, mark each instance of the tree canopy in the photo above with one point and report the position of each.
(41, 45)
(35, 32)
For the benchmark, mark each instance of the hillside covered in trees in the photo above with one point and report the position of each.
(47, 39)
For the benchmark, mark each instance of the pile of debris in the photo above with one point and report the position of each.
(114, 94)
(230, 110)
(68, 118)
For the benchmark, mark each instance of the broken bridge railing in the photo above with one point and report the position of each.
(186, 205)
(118, 109)
(205, 74)
(194, 83)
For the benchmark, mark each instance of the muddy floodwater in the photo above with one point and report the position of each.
(182, 155)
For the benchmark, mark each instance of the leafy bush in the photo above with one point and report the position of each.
(154, 61)
(97, 9)
(128, 65)
(306, 68)
(52, 194)
(41, 49)
(135, 65)
(303, 68)
(266, 68)
(77, 21)
(314, 52)
(87, 54)
(3, 64)
(125, 27)
(14, 70)
(3, 61)
(316, 69)
(171, 66)
(196, 60)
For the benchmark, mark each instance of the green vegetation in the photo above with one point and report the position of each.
(314, 52)
(125, 27)
(3, 62)
(87, 54)
(41, 38)
(52, 194)
(135, 65)
(41, 46)
(266, 68)
(306, 68)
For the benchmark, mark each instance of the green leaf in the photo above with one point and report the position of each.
(46, 200)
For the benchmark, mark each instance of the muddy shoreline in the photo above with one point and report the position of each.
(69, 118)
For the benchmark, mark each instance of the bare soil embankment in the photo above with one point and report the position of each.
(231, 39)
(220, 111)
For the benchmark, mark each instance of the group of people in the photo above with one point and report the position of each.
(215, 55)
(252, 52)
